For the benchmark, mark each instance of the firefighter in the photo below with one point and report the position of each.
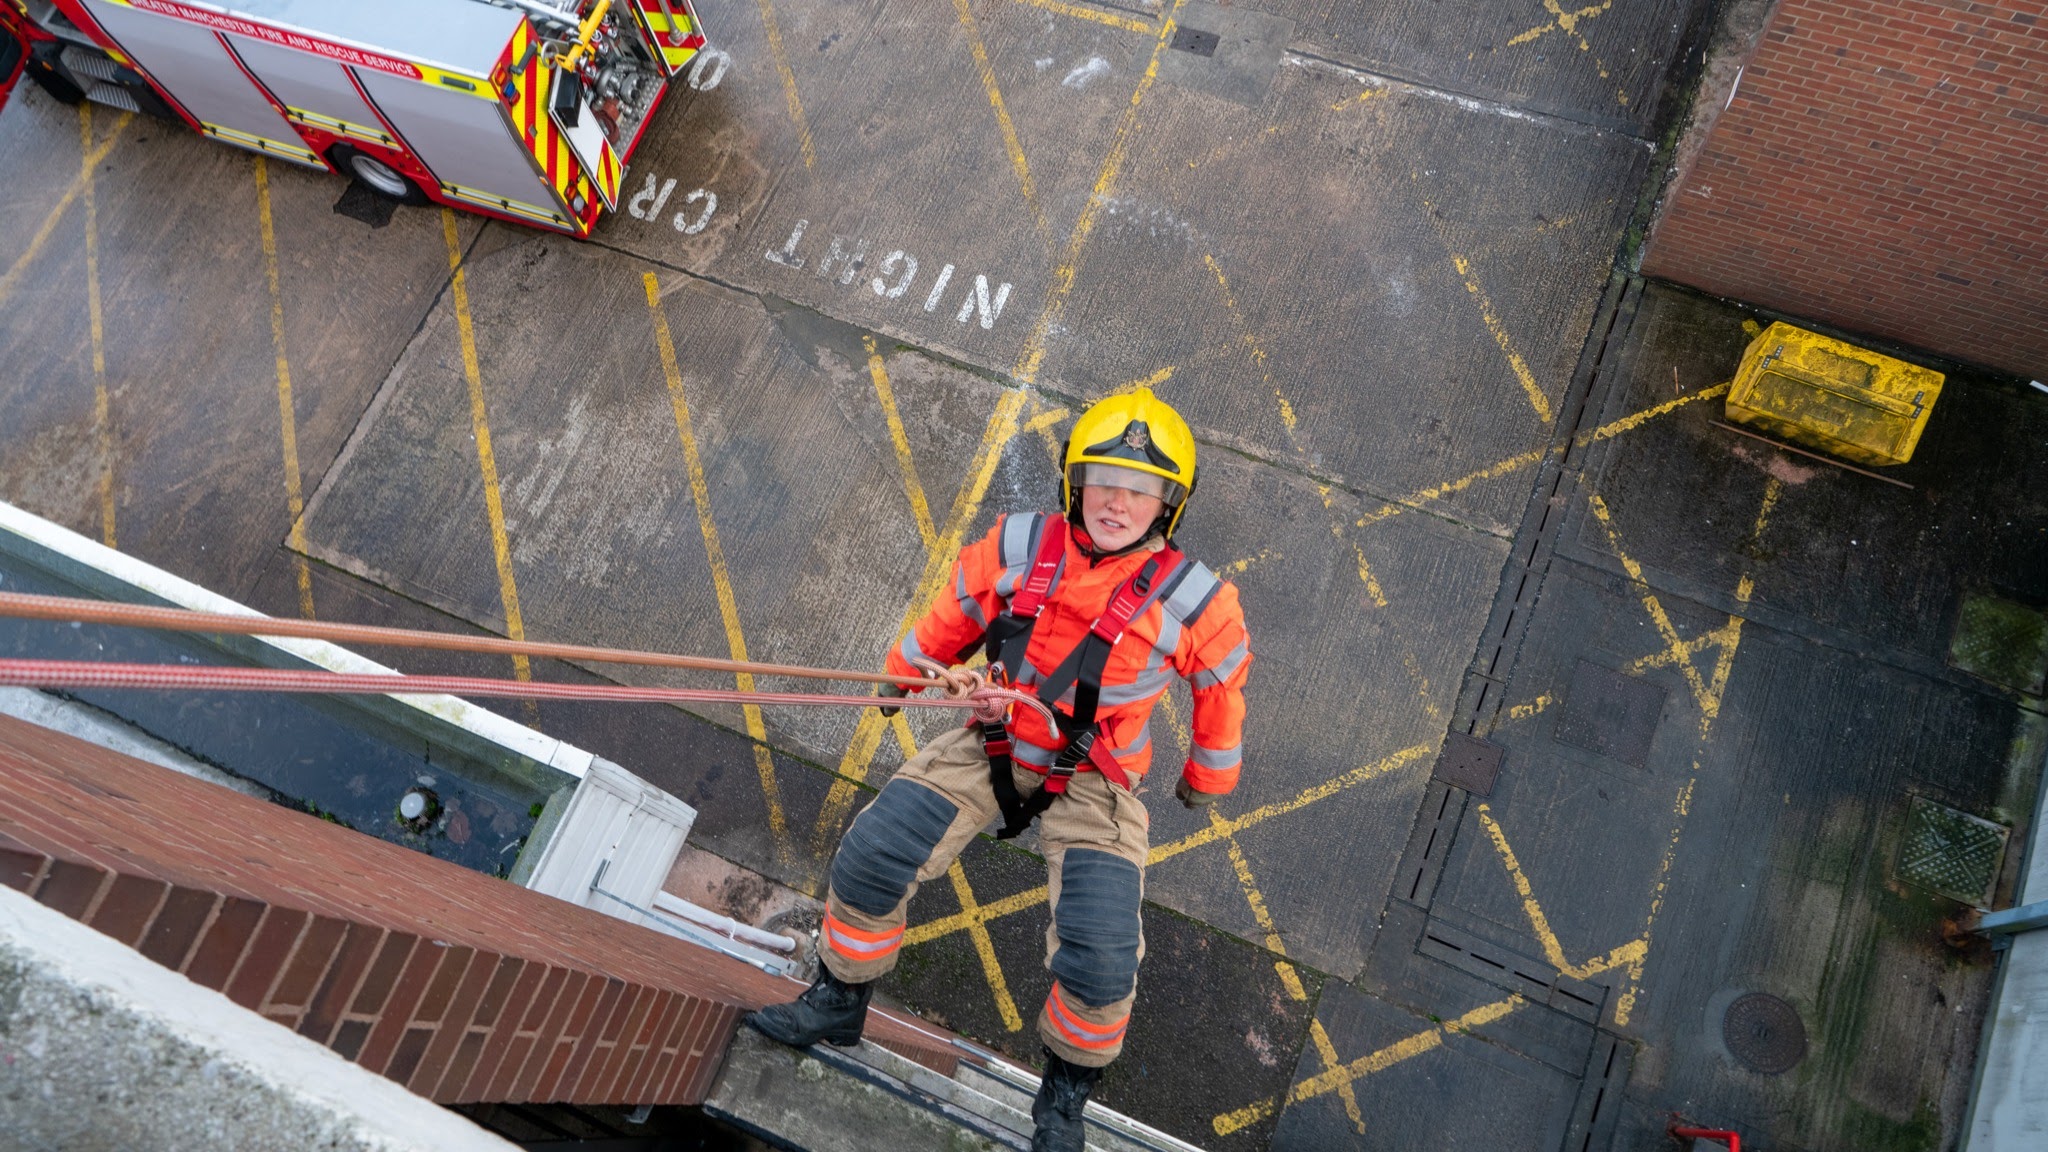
(1094, 612)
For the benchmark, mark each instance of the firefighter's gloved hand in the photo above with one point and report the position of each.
(892, 692)
(1192, 797)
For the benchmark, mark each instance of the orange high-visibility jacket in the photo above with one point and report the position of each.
(1196, 633)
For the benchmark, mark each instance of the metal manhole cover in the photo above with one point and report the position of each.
(1764, 1032)
(1610, 714)
(1470, 763)
(1951, 852)
(2003, 642)
(1194, 40)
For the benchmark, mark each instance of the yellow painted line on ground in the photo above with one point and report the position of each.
(1093, 15)
(1681, 808)
(1001, 428)
(1152, 381)
(1516, 463)
(1360, 98)
(1624, 955)
(1069, 266)
(1491, 318)
(1257, 353)
(1011, 144)
(1326, 1049)
(1366, 577)
(961, 921)
(1563, 21)
(789, 92)
(1300, 800)
(102, 401)
(1238, 566)
(94, 153)
(286, 416)
(1625, 1004)
(985, 947)
(1532, 708)
(920, 510)
(1407, 1048)
(486, 458)
(714, 553)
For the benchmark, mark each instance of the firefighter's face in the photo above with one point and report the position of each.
(1118, 517)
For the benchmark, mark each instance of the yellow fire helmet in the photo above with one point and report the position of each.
(1132, 440)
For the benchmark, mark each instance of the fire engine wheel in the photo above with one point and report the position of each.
(376, 175)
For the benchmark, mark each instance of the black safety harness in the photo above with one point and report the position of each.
(1080, 670)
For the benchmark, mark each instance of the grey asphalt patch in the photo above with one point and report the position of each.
(1237, 61)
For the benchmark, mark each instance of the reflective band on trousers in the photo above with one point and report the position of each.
(1079, 1033)
(855, 944)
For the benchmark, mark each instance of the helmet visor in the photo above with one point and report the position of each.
(1130, 479)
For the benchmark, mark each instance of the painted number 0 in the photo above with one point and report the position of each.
(708, 67)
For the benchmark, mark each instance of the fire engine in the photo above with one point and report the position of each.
(527, 110)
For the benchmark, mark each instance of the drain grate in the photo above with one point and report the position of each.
(2003, 642)
(1194, 40)
(1610, 714)
(1951, 852)
(1764, 1032)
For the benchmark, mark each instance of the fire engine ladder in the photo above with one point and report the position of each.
(987, 1099)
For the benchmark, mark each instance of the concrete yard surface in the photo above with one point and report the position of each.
(1461, 464)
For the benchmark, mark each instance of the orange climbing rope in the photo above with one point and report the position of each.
(966, 689)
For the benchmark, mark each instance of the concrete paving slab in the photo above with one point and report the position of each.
(1196, 259)
(1604, 63)
(199, 476)
(1399, 317)
(1422, 1075)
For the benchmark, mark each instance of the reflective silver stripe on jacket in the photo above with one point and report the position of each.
(1025, 752)
(909, 648)
(1218, 758)
(969, 606)
(1224, 669)
(1137, 745)
(1018, 547)
(1144, 687)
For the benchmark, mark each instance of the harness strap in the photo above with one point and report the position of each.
(1081, 670)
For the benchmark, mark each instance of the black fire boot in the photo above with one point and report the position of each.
(1057, 1110)
(829, 1010)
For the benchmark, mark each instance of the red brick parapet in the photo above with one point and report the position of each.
(462, 987)
(1881, 166)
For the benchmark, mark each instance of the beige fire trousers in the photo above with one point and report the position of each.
(1094, 841)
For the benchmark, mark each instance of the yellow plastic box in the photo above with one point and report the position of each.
(1833, 396)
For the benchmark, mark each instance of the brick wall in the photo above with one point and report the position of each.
(462, 987)
(1882, 168)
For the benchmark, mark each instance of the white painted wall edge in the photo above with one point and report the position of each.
(155, 1050)
(2009, 1101)
(489, 725)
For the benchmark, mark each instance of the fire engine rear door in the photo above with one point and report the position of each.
(12, 55)
(592, 149)
(194, 66)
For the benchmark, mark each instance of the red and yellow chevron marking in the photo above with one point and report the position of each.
(610, 173)
(525, 92)
(678, 44)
